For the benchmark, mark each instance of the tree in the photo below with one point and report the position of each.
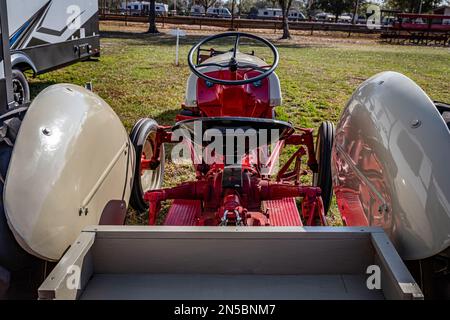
(414, 5)
(181, 6)
(361, 6)
(261, 4)
(245, 6)
(301, 4)
(152, 18)
(336, 7)
(285, 7)
(233, 4)
(206, 4)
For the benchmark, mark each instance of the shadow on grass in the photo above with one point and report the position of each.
(147, 38)
(167, 117)
(37, 87)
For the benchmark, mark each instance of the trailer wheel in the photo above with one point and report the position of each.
(143, 137)
(322, 178)
(21, 89)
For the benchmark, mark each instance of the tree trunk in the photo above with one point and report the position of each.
(285, 6)
(152, 18)
(286, 33)
(232, 14)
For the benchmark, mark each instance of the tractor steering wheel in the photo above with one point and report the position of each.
(233, 65)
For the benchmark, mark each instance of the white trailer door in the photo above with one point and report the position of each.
(35, 22)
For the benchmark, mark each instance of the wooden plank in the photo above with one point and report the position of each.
(246, 23)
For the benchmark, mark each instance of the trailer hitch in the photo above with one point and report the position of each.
(224, 220)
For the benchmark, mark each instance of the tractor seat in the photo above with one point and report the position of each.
(275, 98)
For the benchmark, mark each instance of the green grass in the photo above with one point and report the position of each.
(138, 78)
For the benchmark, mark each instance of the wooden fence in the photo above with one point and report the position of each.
(247, 23)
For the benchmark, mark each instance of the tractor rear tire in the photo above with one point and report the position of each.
(143, 137)
(322, 178)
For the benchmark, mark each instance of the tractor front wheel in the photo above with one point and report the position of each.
(322, 178)
(143, 137)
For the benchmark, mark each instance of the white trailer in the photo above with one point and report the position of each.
(295, 15)
(45, 35)
(276, 13)
(218, 13)
(161, 9)
(142, 8)
(269, 13)
(197, 10)
(325, 17)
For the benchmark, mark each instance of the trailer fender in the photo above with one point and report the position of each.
(21, 61)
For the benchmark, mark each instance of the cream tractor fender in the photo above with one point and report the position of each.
(391, 159)
(72, 164)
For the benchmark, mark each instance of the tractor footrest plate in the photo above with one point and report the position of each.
(283, 212)
(183, 213)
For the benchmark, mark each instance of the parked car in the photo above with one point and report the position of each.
(276, 13)
(323, 16)
(388, 20)
(345, 18)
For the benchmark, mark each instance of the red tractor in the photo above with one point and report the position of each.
(227, 127)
